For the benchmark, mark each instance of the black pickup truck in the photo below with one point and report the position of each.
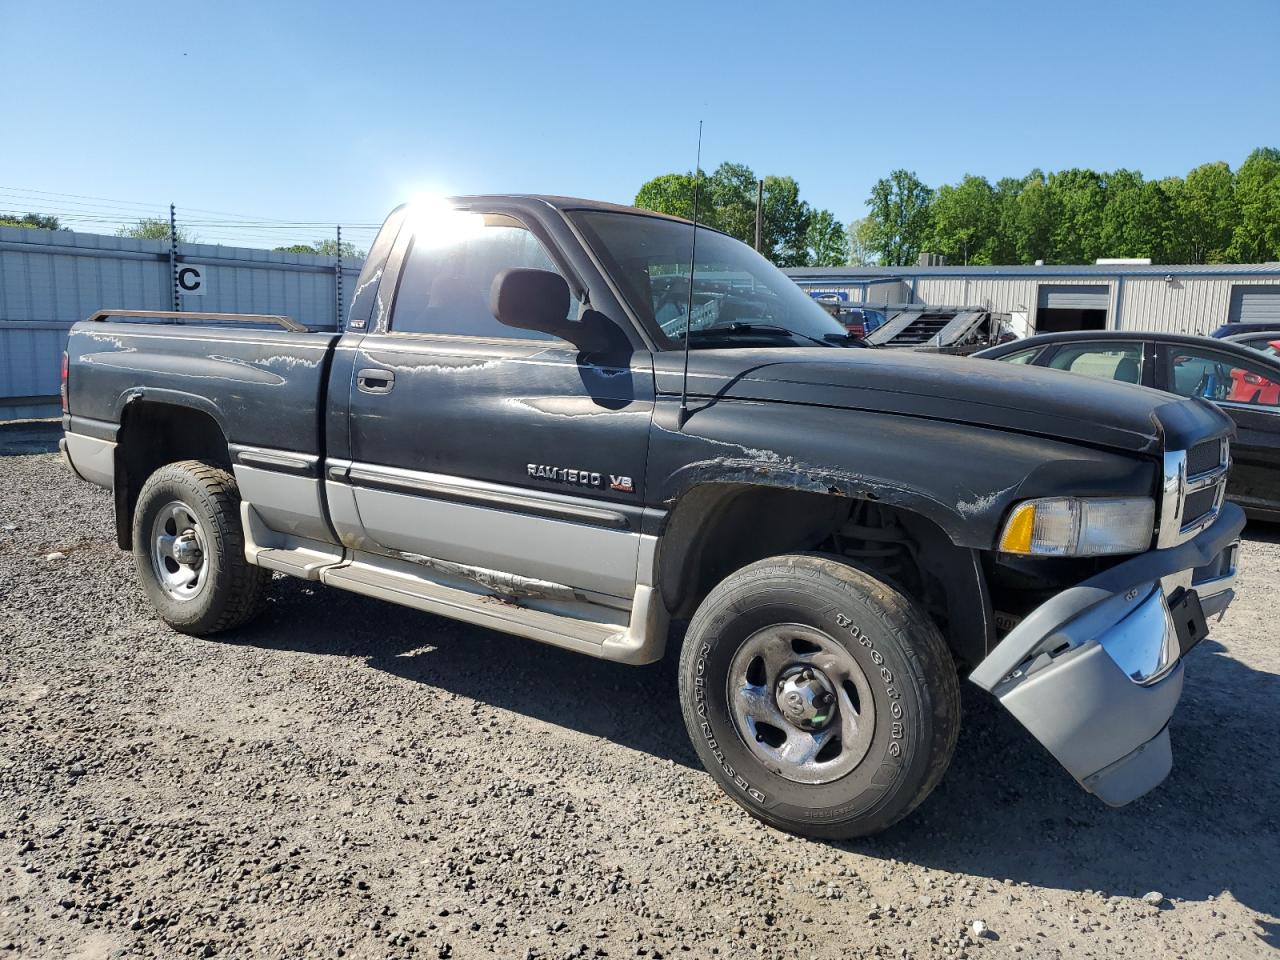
(511, 432)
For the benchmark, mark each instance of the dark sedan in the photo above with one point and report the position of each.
(1244, 383)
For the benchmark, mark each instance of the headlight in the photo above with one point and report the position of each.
(1079, 527)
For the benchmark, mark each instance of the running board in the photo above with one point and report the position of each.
(642, 640)
(296, 556)
(585, 627)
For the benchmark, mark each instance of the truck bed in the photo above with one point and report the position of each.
(263, 386)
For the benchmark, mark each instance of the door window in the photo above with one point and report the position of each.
(450, 269)
(1270, 344)
(1022, 356)
(1194, 372)
(1106, 361)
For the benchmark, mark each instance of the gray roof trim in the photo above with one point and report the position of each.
(1093, 271)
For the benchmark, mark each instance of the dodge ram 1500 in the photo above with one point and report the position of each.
(552, 417)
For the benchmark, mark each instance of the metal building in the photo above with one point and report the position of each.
(49, 279)
(1184, 299)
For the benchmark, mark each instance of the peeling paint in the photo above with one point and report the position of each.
(507, 586)
(981, 504)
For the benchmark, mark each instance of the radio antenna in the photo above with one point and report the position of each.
(693, 261)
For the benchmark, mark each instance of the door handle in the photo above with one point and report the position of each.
(373, 380)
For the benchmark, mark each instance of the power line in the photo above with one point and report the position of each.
(138, 204)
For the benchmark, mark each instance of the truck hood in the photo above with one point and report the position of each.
(1025, 399)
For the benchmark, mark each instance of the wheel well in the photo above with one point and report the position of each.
(716, 529)
(151, 435)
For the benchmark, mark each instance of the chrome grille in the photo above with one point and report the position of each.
(1204, 457)
(1195, 484)
(1198, 504)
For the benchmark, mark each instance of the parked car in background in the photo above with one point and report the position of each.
(1252, 327)
(859, 321)
(1244, 382)
(1268, 343)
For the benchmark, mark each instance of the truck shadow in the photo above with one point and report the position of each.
(634, 707)
(1005, 810)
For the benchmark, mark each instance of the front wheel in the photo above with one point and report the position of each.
(189, 549)
(821, 699)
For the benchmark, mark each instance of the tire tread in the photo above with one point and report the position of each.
(918, 638)
(244, 585)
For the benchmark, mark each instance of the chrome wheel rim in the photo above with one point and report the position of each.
(178, 551)
(779, 682)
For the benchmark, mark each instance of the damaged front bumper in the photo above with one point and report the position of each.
(1096, 672)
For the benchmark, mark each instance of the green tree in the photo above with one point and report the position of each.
(1159, 222)
(325, 248)
(154, 228)
(1256, 237)
(861, 251)
(1006, 193)
(964, 221)
(727, 201)
(730, 201)
(826, 240)
(899, 217)
(785, 230)
(38, 221)
(1130, 221)
(1207, 212)
(1078, 198)
(670, 193)
(1032, 220)
(329, 248)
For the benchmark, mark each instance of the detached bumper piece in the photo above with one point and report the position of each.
(1095, 673)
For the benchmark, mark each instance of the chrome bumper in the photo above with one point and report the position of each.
(1095, 673)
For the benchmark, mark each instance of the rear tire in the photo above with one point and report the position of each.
(822, 700)
(188, 547)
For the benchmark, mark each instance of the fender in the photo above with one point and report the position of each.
(962, 478)
(164, 395)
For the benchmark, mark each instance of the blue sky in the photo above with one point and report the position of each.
(337, 111)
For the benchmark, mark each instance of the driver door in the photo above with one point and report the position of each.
(495, 447)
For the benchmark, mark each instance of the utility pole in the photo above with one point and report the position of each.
(337, 277)
(759, 214)
(173, 259)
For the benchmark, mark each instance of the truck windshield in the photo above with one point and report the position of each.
(738, 296)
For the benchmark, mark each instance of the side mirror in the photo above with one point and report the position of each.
(530, 300)
(539, 300)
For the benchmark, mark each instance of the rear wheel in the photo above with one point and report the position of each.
(188, 547)
(821, 699)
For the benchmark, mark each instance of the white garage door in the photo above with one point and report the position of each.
(1074, 297)
(1254, 304)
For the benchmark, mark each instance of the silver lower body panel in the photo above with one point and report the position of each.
(90, 458)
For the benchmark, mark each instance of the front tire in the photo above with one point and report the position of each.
(821, 699)
(188, 547)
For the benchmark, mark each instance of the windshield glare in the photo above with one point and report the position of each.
(734, 288)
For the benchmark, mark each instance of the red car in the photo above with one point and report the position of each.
(1249, 387)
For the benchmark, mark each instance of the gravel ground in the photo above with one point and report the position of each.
(348, 778)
